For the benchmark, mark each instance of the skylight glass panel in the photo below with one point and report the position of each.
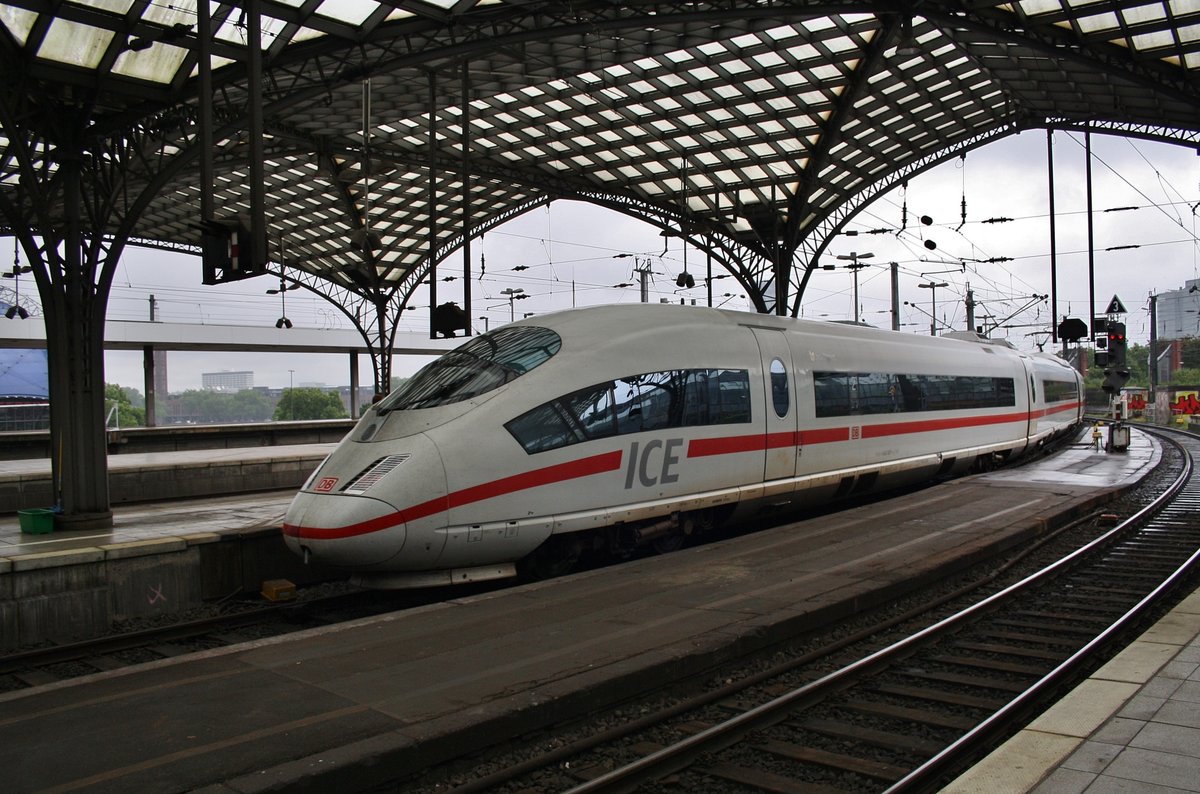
(1153, 41)
(1137, 15)
(115, 6)
(18, 21)
(829, 72)
(353, 12)
(1106, 21)
(305, 34)
(73, 43)
(233, 30)
(157, 64)
(767, 60)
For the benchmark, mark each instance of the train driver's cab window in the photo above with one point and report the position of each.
(634, 404)
(485, 363)
(779, 388)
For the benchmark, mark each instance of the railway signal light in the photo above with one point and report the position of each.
(1116, 344)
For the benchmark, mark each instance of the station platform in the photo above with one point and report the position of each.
(356, 704)
(158, 559)
(158, 476)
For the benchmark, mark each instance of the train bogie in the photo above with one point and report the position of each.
(623, 426)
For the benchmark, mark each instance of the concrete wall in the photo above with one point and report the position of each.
(81, 593)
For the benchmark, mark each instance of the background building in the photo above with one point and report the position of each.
(227, 381)
(1179, 312)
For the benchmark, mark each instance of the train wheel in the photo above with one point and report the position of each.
(668, 543)
(557, 556)
(677, 537)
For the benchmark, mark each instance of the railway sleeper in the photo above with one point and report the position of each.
(1013, 650)
(877, 770)
(1065, 620)
(959, 699)
(1032, 639)
(766, 781)
(935, 719)
(886, 740)
(994, 665)
(1110, 595)
(972, 681)
(1052, 630)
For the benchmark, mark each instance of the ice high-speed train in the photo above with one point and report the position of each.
(612, 427)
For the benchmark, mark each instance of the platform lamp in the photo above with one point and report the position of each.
(932, 287)
(283, 322)
(513, 294)
(17, 310)
(854, 265)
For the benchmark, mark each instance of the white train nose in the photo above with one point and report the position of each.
(348, 531)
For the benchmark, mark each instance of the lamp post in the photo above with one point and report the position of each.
(932, 287)
(855, 266)
(513, 294)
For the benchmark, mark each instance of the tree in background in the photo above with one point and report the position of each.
(309, 403)
(204, 406)
(127, 415)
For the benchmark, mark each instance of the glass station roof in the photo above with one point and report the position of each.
(760, 124)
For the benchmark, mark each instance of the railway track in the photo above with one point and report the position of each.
(911, 715)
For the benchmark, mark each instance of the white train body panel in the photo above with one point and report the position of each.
(434, 492)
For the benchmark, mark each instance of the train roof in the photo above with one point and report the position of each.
(628, 316)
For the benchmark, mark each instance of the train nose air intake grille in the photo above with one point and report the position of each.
(374, 473)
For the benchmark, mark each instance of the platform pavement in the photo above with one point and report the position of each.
(351, 705)
(158, 521)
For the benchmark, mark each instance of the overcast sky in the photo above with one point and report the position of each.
(569, 251)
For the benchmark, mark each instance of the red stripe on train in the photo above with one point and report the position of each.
(584, 467)
(611, 461)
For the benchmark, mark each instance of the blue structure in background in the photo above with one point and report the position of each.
(24, 387)
(24, 376)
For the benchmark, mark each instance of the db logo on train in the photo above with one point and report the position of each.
(326, 484)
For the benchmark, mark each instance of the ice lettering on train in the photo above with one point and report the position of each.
(641, 466)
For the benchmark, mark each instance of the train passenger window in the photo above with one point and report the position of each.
(779, 388)
(876, 393)
(596, 410)
(858, 393)
(832, 394)
(650, 401)
(1059, 390)
(545, 427)
(484, 363)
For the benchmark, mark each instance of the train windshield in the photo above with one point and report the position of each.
(486, 362)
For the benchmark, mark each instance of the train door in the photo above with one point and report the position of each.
(780, 409)
(1031, 428)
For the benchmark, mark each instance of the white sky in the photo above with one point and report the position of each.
(569, 250)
